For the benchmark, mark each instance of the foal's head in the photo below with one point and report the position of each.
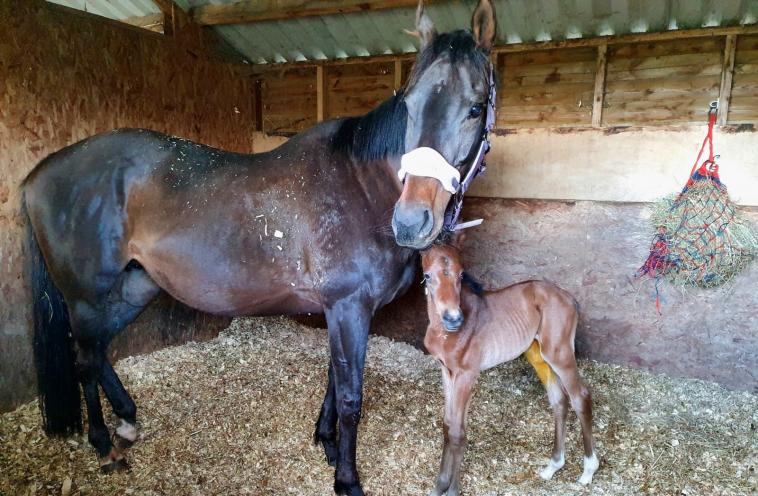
(446, 99)
(443, 273)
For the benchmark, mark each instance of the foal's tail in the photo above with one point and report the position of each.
(57, 383)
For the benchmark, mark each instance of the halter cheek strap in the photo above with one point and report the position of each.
(428, 162)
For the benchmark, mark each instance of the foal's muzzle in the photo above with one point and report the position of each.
(452, 320)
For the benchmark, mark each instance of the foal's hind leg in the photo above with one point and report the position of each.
(564, 364)
(326, 425)
(559, 403)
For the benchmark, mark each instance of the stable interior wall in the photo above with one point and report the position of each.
(66, 75)
(587, 136)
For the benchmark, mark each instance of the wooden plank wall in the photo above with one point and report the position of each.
(289, 100)
(546, 88)
(663, 82)
(744, 104)
(66, 75)
(631, 83)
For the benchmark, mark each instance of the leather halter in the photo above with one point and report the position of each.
(477, 167)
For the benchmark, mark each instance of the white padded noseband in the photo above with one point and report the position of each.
(427, 162)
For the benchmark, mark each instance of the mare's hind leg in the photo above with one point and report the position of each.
(563, 362)
(326, 425)
(93, 327)
(559, 404)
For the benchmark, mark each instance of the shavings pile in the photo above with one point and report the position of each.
(235, 416)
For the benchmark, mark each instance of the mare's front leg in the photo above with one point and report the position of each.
(458, 387)
(326, 425)
(348, 320)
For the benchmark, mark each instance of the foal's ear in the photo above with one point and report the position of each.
(458, 239)
(424, 26)
(484, 25)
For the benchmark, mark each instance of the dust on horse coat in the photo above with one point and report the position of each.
(472, 331)
(118, 217)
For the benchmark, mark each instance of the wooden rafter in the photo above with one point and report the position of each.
(275, 10)
(174, 18)
(153, 22)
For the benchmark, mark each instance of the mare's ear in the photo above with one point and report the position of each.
(484, 25)
(458, 239)
(424, 26)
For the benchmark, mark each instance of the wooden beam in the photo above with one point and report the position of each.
(398, 73)
(727, 72)
(152, 22)
(320, 94)
(676, 34)
(599, 95)
(277, 10)
(174, 17)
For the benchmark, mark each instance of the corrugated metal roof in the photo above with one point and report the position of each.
(381, 32)
(113, 9)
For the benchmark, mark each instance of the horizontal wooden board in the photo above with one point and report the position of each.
(671, 82)
(546, 88)
(744, 104)
(358, 88)
(288, 99)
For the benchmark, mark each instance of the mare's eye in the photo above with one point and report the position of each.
(475, 111)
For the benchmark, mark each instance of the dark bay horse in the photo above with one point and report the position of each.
(118, 217)
(471, 330)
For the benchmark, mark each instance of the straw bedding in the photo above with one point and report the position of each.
(235, 416)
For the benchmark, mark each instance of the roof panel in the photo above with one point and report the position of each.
(380, 32)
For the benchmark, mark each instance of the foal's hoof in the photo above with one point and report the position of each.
(330, 448)
(348, 489)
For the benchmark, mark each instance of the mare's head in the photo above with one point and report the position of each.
(443, 274)
(446, 100)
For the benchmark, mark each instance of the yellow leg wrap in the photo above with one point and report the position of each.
(534, 356)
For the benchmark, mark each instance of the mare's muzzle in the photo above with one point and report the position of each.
(420, 210)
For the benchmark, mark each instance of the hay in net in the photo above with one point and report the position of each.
(701, 239)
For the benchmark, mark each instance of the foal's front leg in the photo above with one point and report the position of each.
(457, 387)
(349, 320)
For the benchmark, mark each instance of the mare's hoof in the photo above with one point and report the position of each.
(120, 465)
(342, 488)
(330, 448)
(122, 443)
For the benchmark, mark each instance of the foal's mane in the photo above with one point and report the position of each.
(381, 133)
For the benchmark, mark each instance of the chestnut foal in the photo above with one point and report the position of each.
(535, 318)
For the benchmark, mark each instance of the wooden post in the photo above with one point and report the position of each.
(727, 72)
(599, 95)
(258, 104)
(398, 74)
(320, 94)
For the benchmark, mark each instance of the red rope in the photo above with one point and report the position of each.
(708, 167)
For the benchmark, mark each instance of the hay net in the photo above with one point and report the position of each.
(701, 238)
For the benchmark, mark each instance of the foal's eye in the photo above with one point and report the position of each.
(426, 277)
(475, 111)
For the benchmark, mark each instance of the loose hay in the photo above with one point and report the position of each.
(235, 416)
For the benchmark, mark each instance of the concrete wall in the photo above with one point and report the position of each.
(66, 75)
(635, 164)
